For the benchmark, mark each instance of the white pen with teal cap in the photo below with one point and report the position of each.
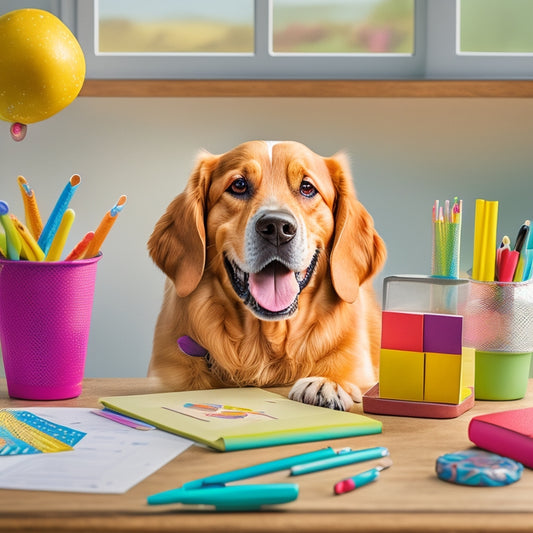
(13, 239)
(52, 224)
(348, 458)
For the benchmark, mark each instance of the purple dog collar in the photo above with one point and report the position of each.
(191, 347)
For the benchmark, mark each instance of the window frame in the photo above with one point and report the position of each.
(435, 56)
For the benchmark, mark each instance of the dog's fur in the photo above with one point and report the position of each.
(246, 219)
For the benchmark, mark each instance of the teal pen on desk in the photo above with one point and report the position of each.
(342, 459)
(263, 468)
(52, 224)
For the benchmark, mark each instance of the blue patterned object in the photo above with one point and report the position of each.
(478, 468)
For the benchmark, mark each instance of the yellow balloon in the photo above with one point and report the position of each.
(42, 67)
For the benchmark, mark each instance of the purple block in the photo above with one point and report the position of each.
(443, 333)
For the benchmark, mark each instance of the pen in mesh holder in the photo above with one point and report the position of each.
(499, 325)
(446, 247)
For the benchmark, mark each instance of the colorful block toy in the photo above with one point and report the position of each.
(423, 360)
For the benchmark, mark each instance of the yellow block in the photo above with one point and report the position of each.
(401, 375)
(469, 366)
(444, 378)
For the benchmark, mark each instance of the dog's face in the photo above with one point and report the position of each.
(270, 215)
(268, 220)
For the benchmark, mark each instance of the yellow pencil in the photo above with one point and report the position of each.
(490, 240)
(103, 228)
(30, 249)
(31, 209)
(60, 238)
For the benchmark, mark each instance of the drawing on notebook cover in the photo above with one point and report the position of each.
(209, 411)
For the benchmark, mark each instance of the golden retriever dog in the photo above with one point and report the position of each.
(269, 257)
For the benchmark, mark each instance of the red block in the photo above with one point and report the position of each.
(402, 331)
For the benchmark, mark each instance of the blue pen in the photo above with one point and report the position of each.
(347, 458)
(262, 468)
(52, 224)
(235, 498)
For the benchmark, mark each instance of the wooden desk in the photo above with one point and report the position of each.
(407, 497)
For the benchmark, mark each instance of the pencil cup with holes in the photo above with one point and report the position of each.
(45, 317)
(499, 325)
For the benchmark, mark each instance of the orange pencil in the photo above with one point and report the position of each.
(80, 248)
(103, 228)
(31, 209)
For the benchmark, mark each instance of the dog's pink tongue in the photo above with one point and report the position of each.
(274, 288)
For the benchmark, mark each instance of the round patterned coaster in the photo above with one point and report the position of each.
(478, 468)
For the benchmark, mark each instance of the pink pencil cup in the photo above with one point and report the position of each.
(45, 318)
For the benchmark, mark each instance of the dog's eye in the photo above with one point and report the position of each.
(239, 186)
(307, 189)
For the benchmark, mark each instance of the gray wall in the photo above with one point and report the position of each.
(405, 154)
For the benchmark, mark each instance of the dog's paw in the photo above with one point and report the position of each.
(324, 393)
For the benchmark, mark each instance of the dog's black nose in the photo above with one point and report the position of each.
(277, 227)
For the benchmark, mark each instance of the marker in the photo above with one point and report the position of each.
(521, 240)
(13, 240)
(261, 469)
(52, 224)
(360, 480)
(30, 249)
(342, 459)
(104, 227)
(233, 498)
(60, 238)
(80, 248)
(31, 209)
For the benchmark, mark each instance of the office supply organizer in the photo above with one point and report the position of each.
(425, 371)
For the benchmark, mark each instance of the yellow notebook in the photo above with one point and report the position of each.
(236, 419)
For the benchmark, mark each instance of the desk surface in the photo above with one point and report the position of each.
(407, 497)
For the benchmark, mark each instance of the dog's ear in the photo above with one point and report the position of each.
(177, 244)
(358, 251)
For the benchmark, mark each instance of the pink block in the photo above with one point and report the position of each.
(402, 331)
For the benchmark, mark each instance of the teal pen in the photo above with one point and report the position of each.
(234, 498)
(263, 468)
(341, 460)
(52, 224)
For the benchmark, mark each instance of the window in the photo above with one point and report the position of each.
(304, 39)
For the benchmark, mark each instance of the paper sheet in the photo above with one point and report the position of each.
(111, 458)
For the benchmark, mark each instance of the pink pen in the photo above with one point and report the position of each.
(360, 480)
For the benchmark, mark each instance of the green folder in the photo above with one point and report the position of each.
(240, 418)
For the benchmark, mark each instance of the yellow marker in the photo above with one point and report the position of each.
(478, 239)
(60, 238)
(103, 228)
(31, 209)
(30, 249)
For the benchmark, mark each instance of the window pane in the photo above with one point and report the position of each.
(496, 26)
(343, 26)
(177, 26)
